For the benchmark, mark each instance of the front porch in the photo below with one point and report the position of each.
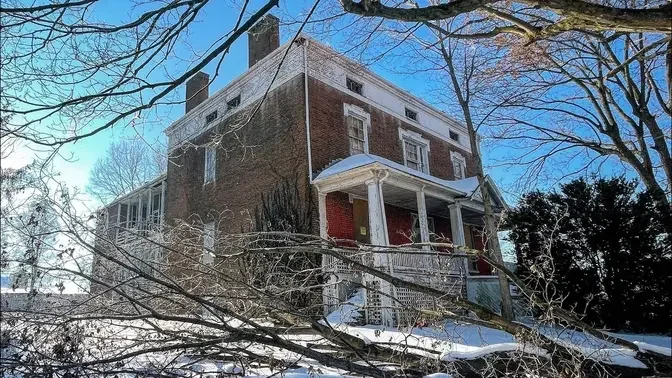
(375, 201)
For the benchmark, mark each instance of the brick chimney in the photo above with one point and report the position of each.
(263, 38)
(197, 90)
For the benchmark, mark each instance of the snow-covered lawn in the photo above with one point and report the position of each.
(446, 342)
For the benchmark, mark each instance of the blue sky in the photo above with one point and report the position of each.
(218, 18)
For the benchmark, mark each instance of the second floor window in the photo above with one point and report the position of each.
(459, 165)
(356, 134)
(415, 156)
(210, 164)
(357, 122)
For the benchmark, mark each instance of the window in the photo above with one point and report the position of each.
(415, 149)
(459, 165)
(357, 122)
(210, 162)
(416, 229)
(233, 103)
(208, 243)
(211, 117)
(454, 136)
(415, 156)
(354, 86)
(356, 134)
(411, 114)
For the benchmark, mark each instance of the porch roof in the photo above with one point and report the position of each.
(467, 188)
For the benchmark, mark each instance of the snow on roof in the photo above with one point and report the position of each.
(466, 187)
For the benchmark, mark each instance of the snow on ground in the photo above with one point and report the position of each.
(463, 341)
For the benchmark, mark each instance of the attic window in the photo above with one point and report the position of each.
(211, 117)
(411, 114)
(354, 86)
(454, 136)
(233, 103)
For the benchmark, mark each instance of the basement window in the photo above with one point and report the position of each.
(354, 86)
(411, 114)
(233, 103)
(210, 117)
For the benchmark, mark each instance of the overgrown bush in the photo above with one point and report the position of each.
(600, 247)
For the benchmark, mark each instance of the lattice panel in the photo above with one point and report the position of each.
(373, 303)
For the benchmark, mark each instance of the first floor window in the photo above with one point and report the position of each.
(459, 165)
(356, 134)
(416, 228)
(210, 164)
(415, 156)
(208, 243)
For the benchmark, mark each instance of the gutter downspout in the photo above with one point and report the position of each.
(307, 104)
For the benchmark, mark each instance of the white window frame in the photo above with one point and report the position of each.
(456, 157)
(431, 226)
(207, 257)
(354, 111)
(210, 170)
(421, 143)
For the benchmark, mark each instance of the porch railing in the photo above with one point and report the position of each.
(139, 230)
(426, 261)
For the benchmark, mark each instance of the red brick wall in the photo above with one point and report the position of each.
(399, 221)
(329, 137)
(339, 216)
(270, 147)
(399, 224)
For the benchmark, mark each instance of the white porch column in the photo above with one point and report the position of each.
(377, 226)
(163, 201)
(378, 235)
(457, 230)
(322, 208)
(422, 219)
(330, 290)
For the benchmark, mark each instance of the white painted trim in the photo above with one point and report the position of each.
(307, 107)
(422, 218)
(322, 209)
(415, 138)
(355, 111)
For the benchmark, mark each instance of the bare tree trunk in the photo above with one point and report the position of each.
(490, 226)
(494, 249)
